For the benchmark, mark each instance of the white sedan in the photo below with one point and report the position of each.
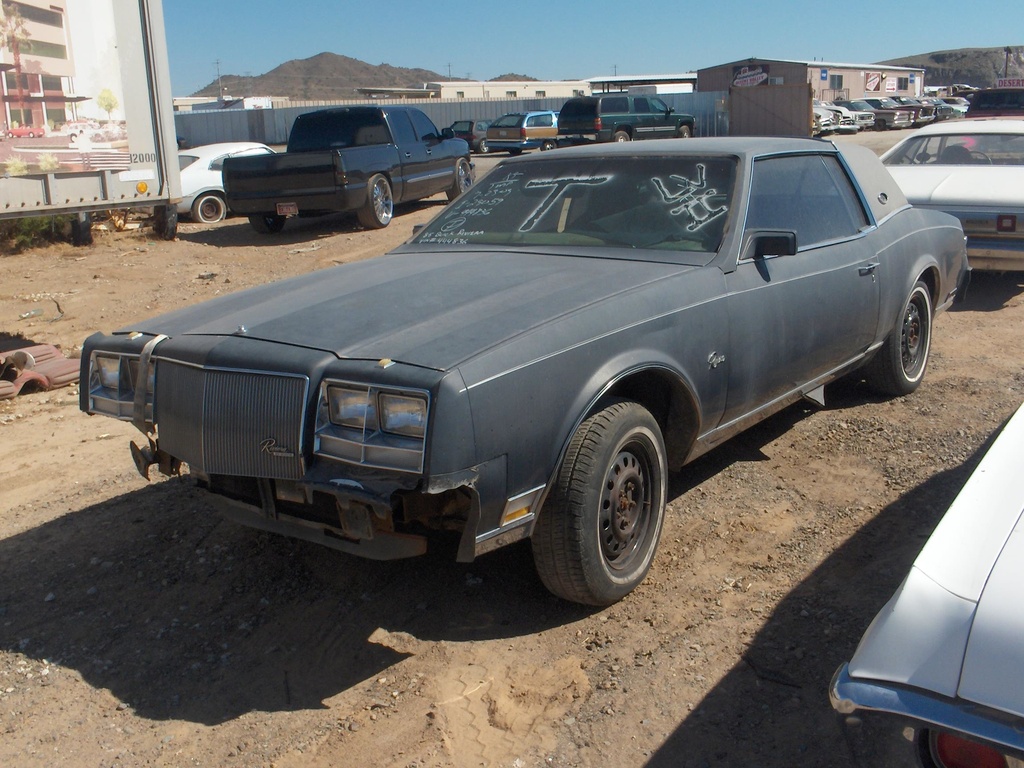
(938, 678)
(973, 169)
(202, 187)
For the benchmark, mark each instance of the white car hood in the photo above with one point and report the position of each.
(955, 624)
(961, 185)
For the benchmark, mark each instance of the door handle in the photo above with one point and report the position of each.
(868, 269)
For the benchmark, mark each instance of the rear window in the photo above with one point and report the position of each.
(508, 121)
(315, 131)
(997, 101)
(614, 104)
(585, 107)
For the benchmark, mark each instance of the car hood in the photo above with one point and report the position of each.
(954, 626)
(432, 310)
(961, 185)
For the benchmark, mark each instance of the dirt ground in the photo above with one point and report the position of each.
(137, 628)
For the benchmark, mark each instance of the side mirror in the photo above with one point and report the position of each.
(771, 242)
(447, 133)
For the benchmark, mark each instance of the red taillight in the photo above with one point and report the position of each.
(522, 132)
(597, 124)
(954, 752)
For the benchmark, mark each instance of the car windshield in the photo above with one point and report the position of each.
(670, 203)
(863, 105)
(960, 149)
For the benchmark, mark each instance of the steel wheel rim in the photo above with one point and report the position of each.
(209, 211)
(913, 338)
(382, 202)
(625, 506)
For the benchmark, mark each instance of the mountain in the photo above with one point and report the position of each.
(324, 76)
(979, 67)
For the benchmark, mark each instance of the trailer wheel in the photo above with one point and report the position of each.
(165, 222)
(267, 223)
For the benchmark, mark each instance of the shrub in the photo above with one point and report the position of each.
(48, 163)
(16, 167)
(17, 235)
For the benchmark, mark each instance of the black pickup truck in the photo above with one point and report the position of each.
(362, 159)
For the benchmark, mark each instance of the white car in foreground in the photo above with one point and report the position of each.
(973, 169)
(202, 187)
(938, 678)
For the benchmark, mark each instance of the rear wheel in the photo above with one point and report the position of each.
(267, 223)
(463, 179)
(621, 136)
(483, 147)
(547, 144)
(599, 528)
(379, 207)
(208, 208)
(898, 367)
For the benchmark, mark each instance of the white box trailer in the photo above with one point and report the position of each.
(87, 120)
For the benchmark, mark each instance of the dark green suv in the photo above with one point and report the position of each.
(621, 117)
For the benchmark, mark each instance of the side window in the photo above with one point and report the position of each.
(657, 105)
(640, 105)
(611, 105)
(425, 129)
(809, 194)
(540, 121)
(402, 128)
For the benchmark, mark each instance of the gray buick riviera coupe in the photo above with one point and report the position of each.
(534, 361)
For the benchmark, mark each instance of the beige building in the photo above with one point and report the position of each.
(828, 80)
(510, 89)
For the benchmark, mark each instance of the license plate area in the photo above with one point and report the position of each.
(287, 209)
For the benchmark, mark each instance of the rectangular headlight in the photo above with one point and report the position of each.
(108, 369)
(403, 415)
(352, 408)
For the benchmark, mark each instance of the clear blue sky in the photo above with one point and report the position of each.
(558, 40)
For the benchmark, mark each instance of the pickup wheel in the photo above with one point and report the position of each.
(898, 367)
(684, 132)
(463, 179)
(209, 208)
(267, 223)
(379, 207)
(881, 124)
(599, 528)
(621, 136)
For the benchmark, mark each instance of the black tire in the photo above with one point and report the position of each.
(483, 147)
(267, 223)
(880, 124)
(208, 208)
(898, 367)
(463, 179)
(621, 136)
(379, 207)
(81, 229)
(165, 222)
(597, 533)
(548, 145)
(684, 132)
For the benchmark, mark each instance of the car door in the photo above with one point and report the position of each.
(797, 317)
(658, 119)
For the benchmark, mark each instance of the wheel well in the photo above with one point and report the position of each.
(930, 277)
(670, 402)
(624, 129)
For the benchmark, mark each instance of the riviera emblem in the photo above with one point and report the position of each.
(269, 446)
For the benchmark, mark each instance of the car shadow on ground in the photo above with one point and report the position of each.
(990, 291)
(789, 663)
(183, 615)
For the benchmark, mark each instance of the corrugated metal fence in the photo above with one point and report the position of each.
(271, 126)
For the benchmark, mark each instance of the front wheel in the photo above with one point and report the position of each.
(379, 207)
(898, 367)
(463, 179)
(599, 528)
(684, 132)
(209, 208)
(267, 223)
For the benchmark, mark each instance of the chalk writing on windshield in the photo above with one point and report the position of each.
(558, 188)
(690, 197)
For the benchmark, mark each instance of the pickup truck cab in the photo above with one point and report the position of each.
(361, 159)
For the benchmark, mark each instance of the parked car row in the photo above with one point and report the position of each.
(582, 119)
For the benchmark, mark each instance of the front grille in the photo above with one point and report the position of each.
(228, 422)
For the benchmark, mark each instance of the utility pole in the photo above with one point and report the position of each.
(220, 87)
